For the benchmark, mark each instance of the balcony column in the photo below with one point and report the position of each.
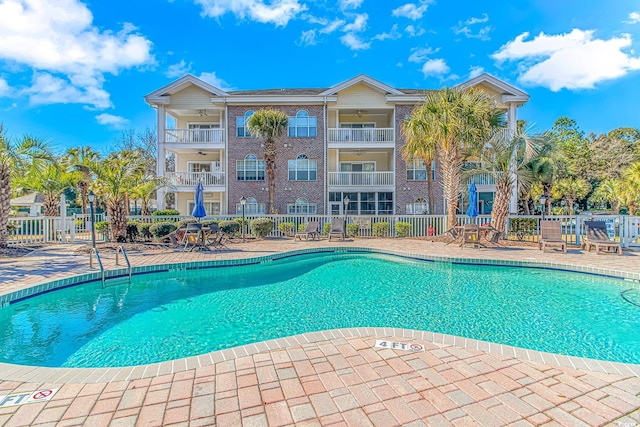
(161, 165)
(512, 124)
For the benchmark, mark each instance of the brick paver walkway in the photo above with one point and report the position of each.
(335, 378)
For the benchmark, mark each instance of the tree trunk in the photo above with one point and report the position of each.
(118, 218)
(271, 181)
(570, 201)
(5, 202)
(500, 211)
(83, 195)
(430, 187)
(50, 205)
(451, 164)
(144, 208)
(632, 208)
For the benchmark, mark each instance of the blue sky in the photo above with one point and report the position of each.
(75, 73)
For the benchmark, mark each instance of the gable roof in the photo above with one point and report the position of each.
(28, 200)
(509, 93)
(159, 95)
(361, 78)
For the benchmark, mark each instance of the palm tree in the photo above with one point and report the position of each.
(51, 181)
(609, 191)
(570, 189)
(270, 125)
(417, 147)
(16, 157)
(453, 121)
(144, 191)
(116, 176)
(507, 160)
(79, 159)
(632, 180)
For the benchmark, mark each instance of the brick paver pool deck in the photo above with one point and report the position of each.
(331, 377)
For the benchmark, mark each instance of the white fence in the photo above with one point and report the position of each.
(361, 135)
(29, 231)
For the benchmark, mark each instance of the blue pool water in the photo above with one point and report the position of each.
(178, 314)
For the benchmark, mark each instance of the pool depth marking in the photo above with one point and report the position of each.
(17, 399)
(406, 346)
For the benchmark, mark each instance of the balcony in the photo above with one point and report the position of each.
(190, 179)
(482, 179)
(361, 179)
(193, 136)
(361, 135)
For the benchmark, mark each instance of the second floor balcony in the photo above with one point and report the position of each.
(194, 136)
(482, 179)
(361, 135)
(190, 179)
(361, 179)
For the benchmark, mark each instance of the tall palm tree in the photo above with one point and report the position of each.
(507, 159)
(453, 121)
(270, 125)
(631, 177)
(144, 191)
(417, 147)
(609, 191)
(79, 159)
(15, 157)
(50, 181)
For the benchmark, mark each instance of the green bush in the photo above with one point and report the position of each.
(209, 222)
(11, 227)
(161, 229)
(402, 229)
(352, 229)
(102, 227)
(230, 226)
(326, 228)
(381, 229)
(523, 227)
(261, 227)
(302, 227)
(143, 230)
(132, 230)
(287, 228)
(166, 212)
(183, 223)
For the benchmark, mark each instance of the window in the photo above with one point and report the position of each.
(417, 170)
(370, 203)
(303, 169)
(303, 125)
(302, 206)
(251, 206)
(250, 169)
(419, 207)
(203, 132)
(241, 129)
(199, 167)
(212, 208)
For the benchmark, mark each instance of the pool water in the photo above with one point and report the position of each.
(178, 314)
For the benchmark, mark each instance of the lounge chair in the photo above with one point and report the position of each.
(310, 231)
(551, 236)
(337, 228)
(597, 237)
(471, 236)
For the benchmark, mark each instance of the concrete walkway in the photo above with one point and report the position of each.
(335, 377)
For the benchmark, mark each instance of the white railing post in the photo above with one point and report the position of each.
(578, 228)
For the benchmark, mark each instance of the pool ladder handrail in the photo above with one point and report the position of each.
(93, 252)
(120, 249)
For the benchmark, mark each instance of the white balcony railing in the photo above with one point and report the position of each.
(193, 136)
(482, 179)
(362, 135)
(192, 178)
(361, 179)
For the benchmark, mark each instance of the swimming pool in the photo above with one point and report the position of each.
(181, 313)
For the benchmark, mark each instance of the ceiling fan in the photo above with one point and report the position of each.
(201, 153)
(202, 113)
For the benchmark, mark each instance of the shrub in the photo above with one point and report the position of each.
(402, 229)
(352, 229)
(183, 223)
(230, 226)
(523, 227)
(143, 230)
(326, 228)
(132, 230)
(166, 212)
(302, 227)
(161, 229)
(11, 227)
(102, 227)
(209, 222)
(381, 229)
(287, 227)
(261, 227)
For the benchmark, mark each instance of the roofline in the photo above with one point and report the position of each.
(271, 99)
(361, 78)
(160, 96)
(494, 81)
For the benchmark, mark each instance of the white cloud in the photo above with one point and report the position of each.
(178, 70)
(353, 42)
(574, 60)
(58, 37)
(358, 24)
(412, 10)
(308, 38)
(278, 12)
(435, 67)
(420, 54)
(350, 4)
(482, 33)
(330, 27)
(216, 81)
(475, 71)
(633, 18)
(4, 87)
(413, 32)
(117, 122)
(393, 34)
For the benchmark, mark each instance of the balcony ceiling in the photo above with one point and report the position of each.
(207, 114)
(364, 111)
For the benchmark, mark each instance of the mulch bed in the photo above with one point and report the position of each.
(15, 252)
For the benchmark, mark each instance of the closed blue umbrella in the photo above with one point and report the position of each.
(472, 212)
(199, 210)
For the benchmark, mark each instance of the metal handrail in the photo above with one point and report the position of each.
(94, 251)
(126, 258)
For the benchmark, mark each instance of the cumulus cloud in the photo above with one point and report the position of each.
(116, 122)
(178, 70)
(278, 12)
(350, 4)
(475, 71)
(358, 24)
(419, 55)
(354, 42)
(330, 27)
(57, 39)
(435, 67)
(633, 18)
(574, 60)
(308, 38)
(216, 81)
(482, 33)
(413, 31)
(393, 34)
(412, 11)
(4, 87)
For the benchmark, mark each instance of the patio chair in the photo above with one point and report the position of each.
(310, 231)
(598, 238)
(192, 236)
(471, 236)
(551, 236)
(337, 228)
(218, 240)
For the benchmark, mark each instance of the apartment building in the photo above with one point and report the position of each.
(342, 142)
